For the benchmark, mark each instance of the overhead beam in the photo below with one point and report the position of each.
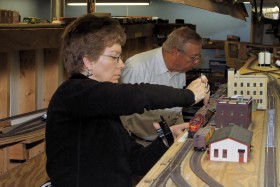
(237, 10)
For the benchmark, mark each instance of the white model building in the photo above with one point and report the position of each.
(230, 144)
(254, 85)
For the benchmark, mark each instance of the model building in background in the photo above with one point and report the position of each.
(254, 85)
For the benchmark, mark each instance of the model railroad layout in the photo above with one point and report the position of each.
(173, 169)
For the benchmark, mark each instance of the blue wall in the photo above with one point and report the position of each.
(209, 24)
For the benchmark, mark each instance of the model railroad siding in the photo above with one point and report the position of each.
(202, 137)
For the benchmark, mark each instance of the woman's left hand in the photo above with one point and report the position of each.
(178, 129)
(175, 129)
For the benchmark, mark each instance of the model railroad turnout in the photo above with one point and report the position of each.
(172, 171)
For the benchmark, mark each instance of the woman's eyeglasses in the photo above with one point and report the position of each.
(117, 58)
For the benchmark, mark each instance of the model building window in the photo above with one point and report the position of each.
(241, 84)
(248, 92)
(235, 92)
(248, 84)
(224, 153)
(255, 93)
(216, 153)
(241, 92)
(261, 84)
(235, 84)
(261, 100)
(255, 84)
(261, 92)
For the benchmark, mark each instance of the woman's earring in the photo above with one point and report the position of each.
(89, 73)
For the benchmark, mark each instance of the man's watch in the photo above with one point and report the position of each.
(165, 133)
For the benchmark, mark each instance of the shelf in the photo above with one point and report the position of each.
(214, 44)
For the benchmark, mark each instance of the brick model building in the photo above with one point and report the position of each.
(236, 111)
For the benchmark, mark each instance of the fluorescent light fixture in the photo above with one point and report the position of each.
(109, 4)
(76, 4)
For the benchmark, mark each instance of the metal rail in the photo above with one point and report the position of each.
(195, 164)
(270, 170)
(30, 122)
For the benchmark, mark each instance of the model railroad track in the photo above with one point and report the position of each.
(270, 178)
(172, 171)
(270, 170)
(33, 128)
(195, 164)
(26, 127)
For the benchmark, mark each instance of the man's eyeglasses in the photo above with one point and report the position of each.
(117, 58)
(193, 58)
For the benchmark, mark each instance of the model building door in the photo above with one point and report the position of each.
(241, 155)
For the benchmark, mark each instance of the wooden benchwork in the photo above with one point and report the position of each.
(21, 150)
(31, 173)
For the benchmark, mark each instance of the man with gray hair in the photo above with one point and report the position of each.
(166, 65)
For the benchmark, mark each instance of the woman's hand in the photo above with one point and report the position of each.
(201, 89)
(178, 129)
(175, 129)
